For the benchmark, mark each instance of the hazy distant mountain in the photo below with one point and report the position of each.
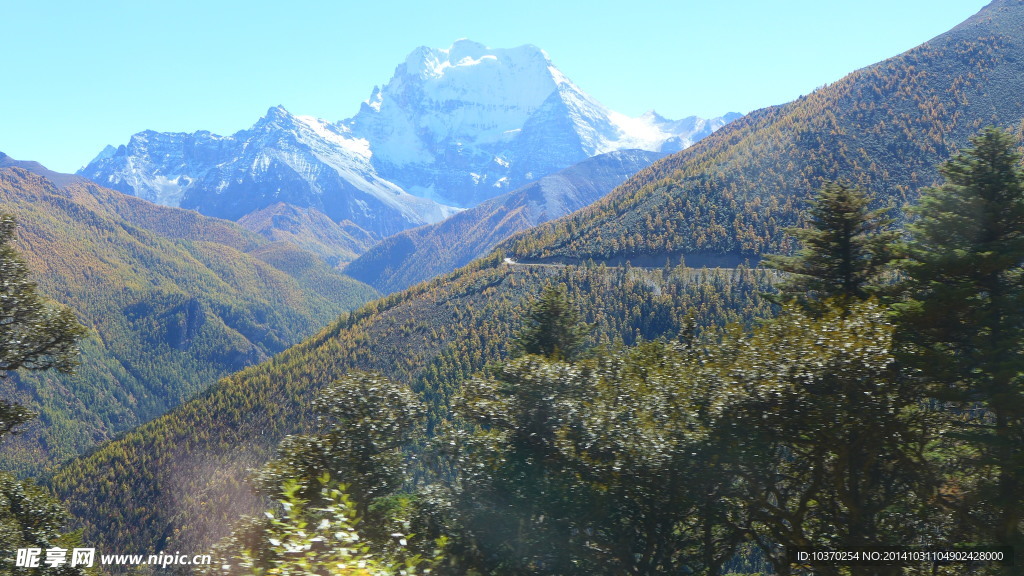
(409, 257)
(451, 128)
(36, 168)
(335, 242)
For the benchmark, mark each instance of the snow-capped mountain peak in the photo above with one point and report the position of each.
(453, 127)
(465, 94)
(468, 122)
(301, 160)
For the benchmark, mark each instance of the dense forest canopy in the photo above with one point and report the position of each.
(174, 300)
(35, 335)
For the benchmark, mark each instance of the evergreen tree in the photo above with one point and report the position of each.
(510, 498)
(367, 420)
(553, 327)
(514, 505)
(602, 466)
(823, 436)
(963, 321)
(652, 492)
(845, 248)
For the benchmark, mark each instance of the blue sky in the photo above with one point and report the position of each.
(80, 75)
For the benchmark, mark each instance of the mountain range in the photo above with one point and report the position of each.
(452, 128)
(298, 160)
(296, 186)
(885, 128)
(468, 123)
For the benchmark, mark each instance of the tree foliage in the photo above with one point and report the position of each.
(844, 248)
(366, 422)
(30, 517)
(366, 419)
(433, 337)
(589, 467)
(963, 320)
(825, 438)
(304, 538)
(34, 334)
(553, 327)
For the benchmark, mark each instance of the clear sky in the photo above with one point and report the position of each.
(80, 75)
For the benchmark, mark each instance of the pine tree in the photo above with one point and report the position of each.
(553, 327)
(845, 248)
(963, 321)
(510, 494)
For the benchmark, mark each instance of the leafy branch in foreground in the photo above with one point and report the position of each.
(304, 539)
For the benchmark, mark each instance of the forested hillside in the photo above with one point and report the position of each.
(183, 476)
(336, 243)
(173, 300)
(885, 128)
(877, 417)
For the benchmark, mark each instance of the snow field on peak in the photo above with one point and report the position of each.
(332, 146)
(335, 134)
